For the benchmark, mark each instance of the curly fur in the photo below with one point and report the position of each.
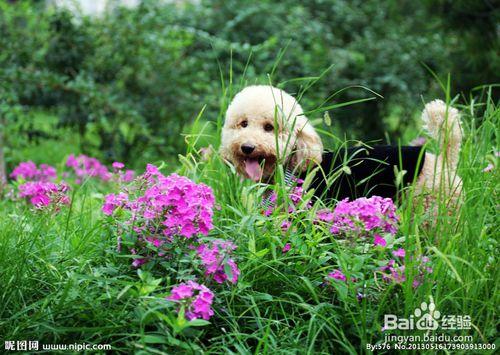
(273, 122)
(292, 140)
(439, 173)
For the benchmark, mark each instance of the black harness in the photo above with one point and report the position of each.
(366, 171)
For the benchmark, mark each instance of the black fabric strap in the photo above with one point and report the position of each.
(367, 171)
(361, 172)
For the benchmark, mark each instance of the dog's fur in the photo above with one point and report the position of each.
(273, 123)
(297, 141)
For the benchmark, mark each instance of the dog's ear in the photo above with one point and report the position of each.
(308, 147)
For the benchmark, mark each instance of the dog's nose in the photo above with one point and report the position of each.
(247, 148)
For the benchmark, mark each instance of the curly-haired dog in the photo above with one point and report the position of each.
(265, 126)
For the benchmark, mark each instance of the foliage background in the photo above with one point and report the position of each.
(127, 85)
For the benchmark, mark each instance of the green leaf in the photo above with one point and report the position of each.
(327, 118)
(341, 289)
(181, 319)
(198, 323)
(122, 292)
(154, 339)
(262, 252)
(228, 271)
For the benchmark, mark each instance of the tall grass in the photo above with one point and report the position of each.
(63, 282)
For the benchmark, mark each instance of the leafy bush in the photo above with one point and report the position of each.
(128, 84)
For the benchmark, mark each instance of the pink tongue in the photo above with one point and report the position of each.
(252, 167)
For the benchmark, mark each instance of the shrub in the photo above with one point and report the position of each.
(128, 83)
(160, 219)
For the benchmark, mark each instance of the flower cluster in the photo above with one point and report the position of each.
(161, 219)
(363, 216)
(373, 217)
(122, 175)
(167, 205)
(84, 167)
(217, 261)
(394, 270)
(197, 299)
(295, 196)
(337, 275)
(113, 201)
(28, 171)
(42, 194)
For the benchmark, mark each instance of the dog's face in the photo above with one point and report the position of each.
(264, 126)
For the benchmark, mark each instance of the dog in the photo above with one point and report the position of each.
(265, 126)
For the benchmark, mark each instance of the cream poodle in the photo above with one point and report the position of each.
(265, 126)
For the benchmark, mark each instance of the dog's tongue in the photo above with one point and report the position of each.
(253, 169)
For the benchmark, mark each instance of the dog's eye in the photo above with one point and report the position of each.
(244, 123)
(268, 127)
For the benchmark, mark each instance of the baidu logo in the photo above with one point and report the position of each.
(425, 317)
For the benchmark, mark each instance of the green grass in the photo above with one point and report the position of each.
(62, 281)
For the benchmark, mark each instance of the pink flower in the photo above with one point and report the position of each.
(399, 253)
(285, 225)
(325, 215)
(72, 161)
(286, 248)
(117, 165)
(47, 172)
(128, 176)
(28, 171)
(216, 257)
(25, 170)
(85, 167)
(113, 201)
(394, 270)
(379, 240)
(170, 205)
(152, 170)
(337, 275)
(364, 215)
(196, 298)
(42, 194)
(295, 196)
(180, 292)
(139, 262)
(157, 211)
(489, 168)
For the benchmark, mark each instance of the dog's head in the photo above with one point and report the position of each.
(265, 126)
